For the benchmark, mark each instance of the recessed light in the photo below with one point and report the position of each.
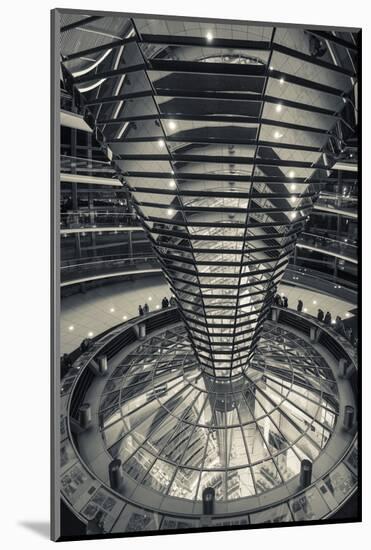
(277, 135)
(271, 68)
(282, 80)
(150, 298)
(161, 143)
(333, 322)
(293, 200)
(71, 327)
(158, 306)
(172, 124)
(112, 309)
(172, 183)
(305, 310)
(314, 302)
(293, 187)
(291, 174)
(209, 36)
(293, 215)
(170, 212)
(347, 314)
(125, 317)
(90, 334)
(278, 107)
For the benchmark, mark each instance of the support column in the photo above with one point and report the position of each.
(102, 365)
(305, 473)
(349, 415)
(115, 475)
(208, 499)
(85, 416)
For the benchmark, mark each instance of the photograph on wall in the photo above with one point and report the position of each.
(205, 198)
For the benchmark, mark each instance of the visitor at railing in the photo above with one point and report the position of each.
(327, 319)
(320, 315)
(146, 309)
(165, 303)
(300, 305)
(285, 301)
(172, 301)
(141, 311)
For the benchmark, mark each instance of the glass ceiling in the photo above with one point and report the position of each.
(177, 431)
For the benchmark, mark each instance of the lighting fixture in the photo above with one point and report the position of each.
(71, 327)
(282, 80)
(291, 174)
(170, 212)
(172, 183)
(90, 334)
(209, 36)
(279, 107)
(112, 309)
(161, 143)
(172, 125)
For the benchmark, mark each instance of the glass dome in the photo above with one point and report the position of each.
(178, 431)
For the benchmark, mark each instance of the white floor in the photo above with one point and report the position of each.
(90, 314)
(86, 315)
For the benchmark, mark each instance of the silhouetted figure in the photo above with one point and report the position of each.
(145, 309)
(141, 311)
(320, 315)
(349, 334)
(85, 344)
(299, 307)
(327, 319)
(285, 301)
(339, 324)
(276, 299)
(172, 301)
(165, 303)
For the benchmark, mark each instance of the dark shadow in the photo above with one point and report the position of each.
(42, 528)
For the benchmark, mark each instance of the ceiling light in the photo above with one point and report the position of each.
(271, 68)
(347, 314)
(291, 174)
(293, 215)
(282, 80)
(277, 135)
(161, 143)
(71, 327)
(294, 200)
(158, 306)
(150, 298)
(279, 107)
(305, 310)
(172, 183)
(333, 322)
(90, 334)
(293, 187)
(170, 212)
(314, 302)
(209, 36)
(112, 309)
(172, 125)
(124, 317)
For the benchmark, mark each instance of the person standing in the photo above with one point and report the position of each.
(320, 315)
(146, 309)
(141, 311)
(285, 301)
(327, 319)
(299, 307)
(165, 303)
